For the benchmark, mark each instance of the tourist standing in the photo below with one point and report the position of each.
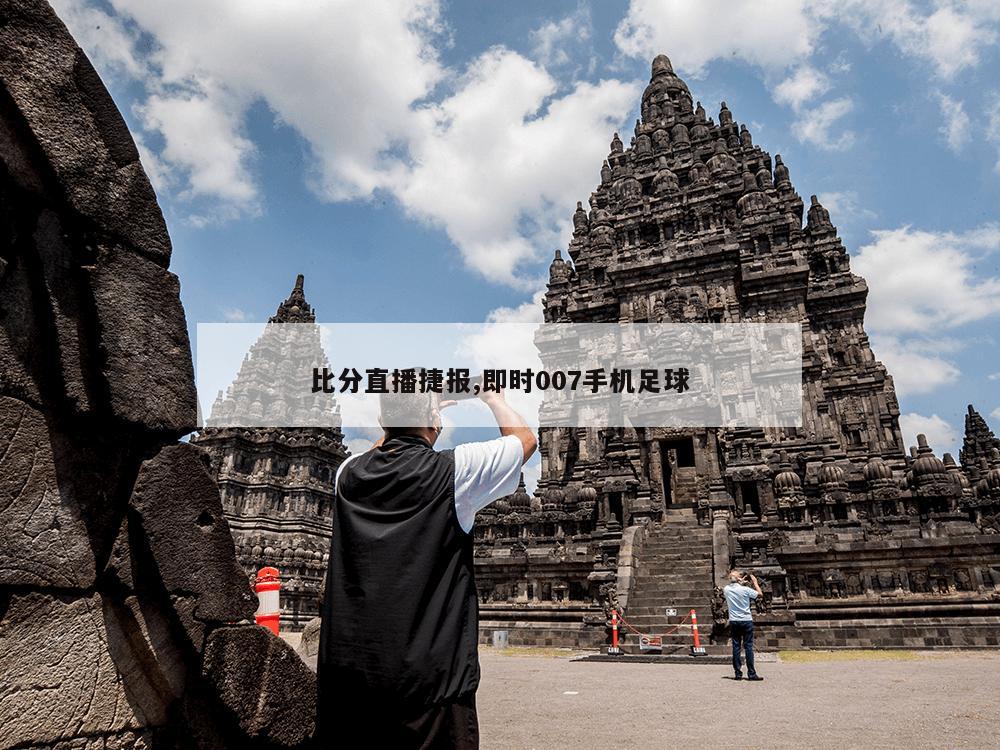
(738, 597)
(398, 657)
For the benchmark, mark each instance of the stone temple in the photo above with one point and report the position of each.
(276, 483)
(857, 541)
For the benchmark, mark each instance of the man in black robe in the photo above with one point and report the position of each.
(398, 659)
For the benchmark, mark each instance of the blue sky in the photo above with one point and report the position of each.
(421, 161)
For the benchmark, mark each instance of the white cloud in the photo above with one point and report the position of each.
(202, 139)
(993, 376)
(344, 75)
(941, 436)
(923, 281)
(845, 203)
(362, 444)
(499, 163)
(769, 33)
(159, 174)
(993, 125)
(107, 40)
(814, 125)
(995, 413)
(803, 85)
(916, 366)
(956, 127)
(951, 37)
(553, 41)
(495, 155)
(235, 315)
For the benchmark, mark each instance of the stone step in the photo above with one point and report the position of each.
(657, 613)
(675, 570)
(658, 625)
(656, 583)
(668, 554)
(694, 539)
(674, 593)
(662, 628)
(656, 605)
(666, 575)
(677, 547)
(653, 604)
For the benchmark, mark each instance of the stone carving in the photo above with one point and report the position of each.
(125, 619)
(796, 502)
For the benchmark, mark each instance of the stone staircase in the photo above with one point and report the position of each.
(674, 570)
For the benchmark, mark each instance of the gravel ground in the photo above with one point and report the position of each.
(894, 700)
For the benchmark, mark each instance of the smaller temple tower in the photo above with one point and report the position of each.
(277, 483)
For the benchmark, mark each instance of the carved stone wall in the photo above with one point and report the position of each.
(693, 222)
(125, 620)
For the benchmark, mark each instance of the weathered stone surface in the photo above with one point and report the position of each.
(177, 507)
(40, 298)
(121, 341)
(263, 682)
(76, 124)
(122, 568)
(45, 541)
(57, 679)
(308, 647)
(143, 336)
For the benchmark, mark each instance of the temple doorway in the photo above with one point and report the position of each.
(676, 461)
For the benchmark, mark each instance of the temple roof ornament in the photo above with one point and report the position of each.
(559, 270)
(721, 162)
(295, 309)
(926, 463)
(819, 217)
(781, 177)
(725, 116)
(978, 443)
(786, 481)
(877, 470)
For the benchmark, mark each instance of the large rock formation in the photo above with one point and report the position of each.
(125, 620)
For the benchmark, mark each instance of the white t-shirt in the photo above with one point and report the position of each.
(484, 472)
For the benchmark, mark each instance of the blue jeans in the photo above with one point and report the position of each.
(742, 633)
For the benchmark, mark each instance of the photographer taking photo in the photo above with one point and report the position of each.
(398, 659)
(738, 597)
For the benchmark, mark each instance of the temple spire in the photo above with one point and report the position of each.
(295, 309)
(979, 442)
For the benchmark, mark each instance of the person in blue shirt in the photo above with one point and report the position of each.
(738, 597)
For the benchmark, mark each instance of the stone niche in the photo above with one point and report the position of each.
(125, 621)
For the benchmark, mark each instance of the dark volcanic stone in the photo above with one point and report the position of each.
(45, 540)
(77, 126)
(263, 682)
(176, 504)
(143, 337)
(57, 679)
